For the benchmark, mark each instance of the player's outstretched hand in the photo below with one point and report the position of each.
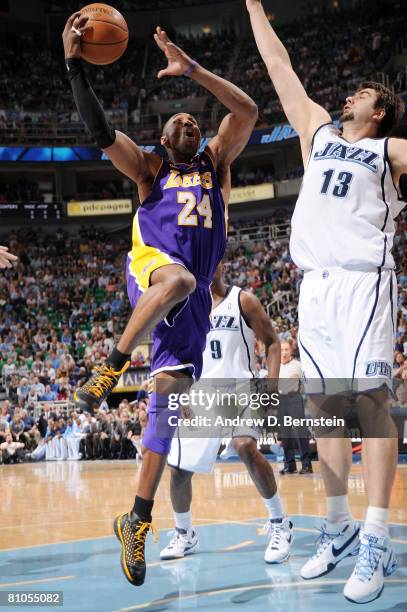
(75, 26)
(178, 61)
(6, 258)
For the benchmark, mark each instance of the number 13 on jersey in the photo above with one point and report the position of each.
(188, 216)
(341, 183)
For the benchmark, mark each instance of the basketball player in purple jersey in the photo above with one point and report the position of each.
(179, 237)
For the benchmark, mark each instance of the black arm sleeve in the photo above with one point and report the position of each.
(89, 107)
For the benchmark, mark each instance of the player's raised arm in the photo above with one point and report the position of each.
(257, 319)
(121, 150)
(304, 115)
(235, 129)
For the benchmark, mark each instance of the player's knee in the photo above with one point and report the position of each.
(180, 285)
(245, 448)
(186, 284)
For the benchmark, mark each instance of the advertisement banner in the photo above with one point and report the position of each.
(252, 193)
(95, 208)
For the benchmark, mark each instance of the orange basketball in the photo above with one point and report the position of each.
(107, 38)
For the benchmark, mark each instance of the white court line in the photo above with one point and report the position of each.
(39, 581)
(244, 589)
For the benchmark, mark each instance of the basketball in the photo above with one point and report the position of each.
(106, 40)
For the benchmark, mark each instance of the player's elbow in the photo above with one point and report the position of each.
(252, 111)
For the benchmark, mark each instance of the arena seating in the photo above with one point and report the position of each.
(62, 306)
(45, 111)
(329, 57)
(53, 6)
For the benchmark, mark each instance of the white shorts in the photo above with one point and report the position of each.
(346, 328)
(193, 454)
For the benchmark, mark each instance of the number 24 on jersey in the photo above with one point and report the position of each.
(191, 210)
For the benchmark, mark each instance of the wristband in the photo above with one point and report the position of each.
(191, 68)
(73, 66)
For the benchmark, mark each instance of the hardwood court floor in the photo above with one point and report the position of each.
(53, 502)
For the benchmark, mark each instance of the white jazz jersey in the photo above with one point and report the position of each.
(229, 351)
(344, 216)
(342, 236)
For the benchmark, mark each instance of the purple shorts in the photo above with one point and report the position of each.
(179, 340)
(179, 343)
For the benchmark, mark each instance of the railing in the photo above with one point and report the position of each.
(22, 373)
(146, 128)
(244, 235)
(278, 303)
(143, 128)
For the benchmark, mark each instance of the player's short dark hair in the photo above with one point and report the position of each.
(392, 104)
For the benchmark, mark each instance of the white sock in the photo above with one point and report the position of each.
(376, 521)
(183, 520)
(338, 511)
(274, 506)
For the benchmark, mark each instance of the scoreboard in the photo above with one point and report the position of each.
(30, 210)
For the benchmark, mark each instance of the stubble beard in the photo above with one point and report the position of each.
(348, 116)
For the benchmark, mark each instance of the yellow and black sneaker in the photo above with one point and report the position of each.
(131, 530)
(98, 387)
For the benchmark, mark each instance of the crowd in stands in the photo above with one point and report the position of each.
(213, 50)
(330, 52)
(61, 307)
(58, 434)
(21, 190)
(24, 190)
(245, 176)
(104, 190)
(48, 102)
(330, 57)
(242, 177)
(59, 311)
(125, 6)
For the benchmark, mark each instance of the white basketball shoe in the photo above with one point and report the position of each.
(183, 542)
(281, 538)
(331, 548)
(376, 560)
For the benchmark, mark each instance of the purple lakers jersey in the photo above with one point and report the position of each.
(183, 218)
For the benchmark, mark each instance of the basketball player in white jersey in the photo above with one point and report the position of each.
(237, 317)
(342, 235)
